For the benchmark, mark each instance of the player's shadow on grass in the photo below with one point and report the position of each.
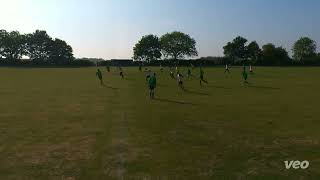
(175, 102)
(263, 87)
(218, 87)
(196, 93)
(162, 85)
(110, 87)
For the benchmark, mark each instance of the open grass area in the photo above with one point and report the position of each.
(61, 124)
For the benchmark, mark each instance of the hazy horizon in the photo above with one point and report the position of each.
(109, 29)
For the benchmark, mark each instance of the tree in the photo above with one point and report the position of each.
(38, 45)
(177, 45)
(3, 34)
(240, 47)
(229, 51)
(12, 45)
(282, 56)
(236, 49)
(254, 52)
(60, 52)
(272, 55)
(304, 48)
(147, 49)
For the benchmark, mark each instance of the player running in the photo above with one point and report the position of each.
(202, 77)
(171, 73)
(99, 75)
(189, 73)
(148, 75)
(180, 82)
(177, 69)
(251, 69)
(245, 75)
(227, 69)
(121, 72)
(152, 82)
(192, 66)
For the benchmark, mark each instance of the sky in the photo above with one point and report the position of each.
(110, 28)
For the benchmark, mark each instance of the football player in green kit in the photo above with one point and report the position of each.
(152, 82)
(202, 76)
(245, 75)
(99, 75)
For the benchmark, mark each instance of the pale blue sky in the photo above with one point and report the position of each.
(110, 28)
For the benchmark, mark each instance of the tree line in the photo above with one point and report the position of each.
(36, 48)
(177, 45)
(239, 51)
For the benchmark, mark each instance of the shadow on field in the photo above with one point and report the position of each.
(196, 93)
(162, 85)
(173, 101)
(263, 87)
(110, 87)
(218, 87)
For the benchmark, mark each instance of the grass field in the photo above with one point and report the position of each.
(61, 124)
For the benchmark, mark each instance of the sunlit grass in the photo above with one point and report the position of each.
(60, 124)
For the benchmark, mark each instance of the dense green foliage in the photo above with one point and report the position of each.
(177, 45)
(147, 49)
(38, 47)
(238, 52)
(174, 46)
(272, 55)
(304, 50)
(237, 49)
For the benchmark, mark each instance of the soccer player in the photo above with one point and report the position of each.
(108, 68)
(140, 67)
(152, 82)
(99, 75)
(202, 77)
(171, 73)
(180, 82)
(227, 69)
(251, 70)
(245, 75)
(121, 72)
(192, 66)
(161, 68)
(189, 73)
(148, 75)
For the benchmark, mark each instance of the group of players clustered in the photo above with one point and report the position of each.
(152, 80)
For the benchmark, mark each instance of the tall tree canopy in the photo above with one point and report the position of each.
(12, 45)
(272, 55)
(229, 50)
(304, 48)
(236, 49)
(3, 42)
(177, 45)
(254, 52)
(147, 49)
(60, 52)
(38, 45)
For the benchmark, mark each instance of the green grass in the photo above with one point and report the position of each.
(61, 124)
